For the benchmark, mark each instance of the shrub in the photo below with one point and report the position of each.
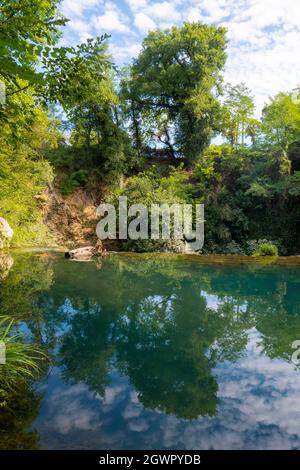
(143, 246)
(151, 187)
(233, 248)
(266, 249)
(75, 180)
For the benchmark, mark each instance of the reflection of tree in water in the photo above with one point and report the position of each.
(6, 263)
(29, 277)
(165, 324)
(154, 325)
(16, 417)
(271, 296)
(277, 317)
(162, 350)
(24, 293)
(161, 334)
(88, 347)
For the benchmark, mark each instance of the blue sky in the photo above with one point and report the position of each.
(264, 35)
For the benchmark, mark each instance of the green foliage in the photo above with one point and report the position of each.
(151, 187)
(22, 359)
(27, 29)
(266, 249)
(281, 119)
(169, 87)
(18, 402)
(237, 115)
(78, 76)
(75, 180)
(24, 176)
(89, 98)
(293, 184)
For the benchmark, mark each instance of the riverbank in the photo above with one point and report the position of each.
(200, 258)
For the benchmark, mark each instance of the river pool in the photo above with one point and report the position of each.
(159, 352)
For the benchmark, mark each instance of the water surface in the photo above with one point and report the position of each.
(159, 352)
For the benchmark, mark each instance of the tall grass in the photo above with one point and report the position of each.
(22, 359)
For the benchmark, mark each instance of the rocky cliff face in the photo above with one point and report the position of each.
(71, 219)
(6, 233)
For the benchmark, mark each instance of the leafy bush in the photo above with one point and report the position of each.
(266, 249)
(150, 187)
(233, 248)
(75, 180)
(143, 246)
(229, 248)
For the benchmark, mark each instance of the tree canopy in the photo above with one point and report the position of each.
(172, 86)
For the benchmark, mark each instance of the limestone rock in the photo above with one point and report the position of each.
(6, 232)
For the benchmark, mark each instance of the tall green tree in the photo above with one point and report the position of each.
(88, 96)
(281, 119)
(172, 86)
(238, 115)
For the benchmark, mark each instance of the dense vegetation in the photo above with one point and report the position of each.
(70, 111)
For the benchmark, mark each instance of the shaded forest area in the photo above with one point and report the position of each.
(146, 130)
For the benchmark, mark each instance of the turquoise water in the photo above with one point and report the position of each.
(159, 352)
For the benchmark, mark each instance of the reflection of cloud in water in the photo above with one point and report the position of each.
(112, 395)
(265, 393)
(132, 410)
(259, 407)
(214, 302)
(68, 410)
(140, 425)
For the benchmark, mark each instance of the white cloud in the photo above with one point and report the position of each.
(76, 7)
(264, 40)
(112, 20)
(125, 52)
(164, 11)
(80, 26)
(270, 12)
(194, 14)
(143, 22)
(160, 11)
(136, 5)
(214, 9)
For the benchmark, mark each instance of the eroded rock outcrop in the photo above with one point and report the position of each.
(6, 233)
(71, 219)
